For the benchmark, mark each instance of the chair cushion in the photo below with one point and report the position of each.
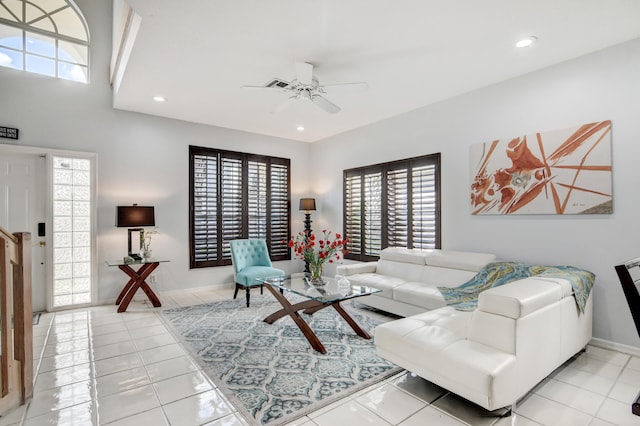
(249, 276)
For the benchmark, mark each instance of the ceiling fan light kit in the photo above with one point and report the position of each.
(306, 86)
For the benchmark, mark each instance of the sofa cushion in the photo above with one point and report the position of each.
(458, 259)
(385, 283)
(564, 284)
(476, 366)
(424, 334)
(520, 298)
(356, 268)
(405, 255)
(445, 277)
(406, 271)
(419, 294)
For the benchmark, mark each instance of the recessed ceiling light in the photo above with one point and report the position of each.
(527, 41)
(159, 98)
(300, 128)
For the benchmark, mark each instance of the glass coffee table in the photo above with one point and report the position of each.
(317, 298)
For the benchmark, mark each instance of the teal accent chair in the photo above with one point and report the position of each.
(251, 261)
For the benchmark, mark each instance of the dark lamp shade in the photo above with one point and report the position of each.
(132, 216)
(307, 204)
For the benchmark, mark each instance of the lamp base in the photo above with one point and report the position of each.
(307, 230)
(135, 242)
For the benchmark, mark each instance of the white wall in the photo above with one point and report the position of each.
(140, 159)
(601, 86)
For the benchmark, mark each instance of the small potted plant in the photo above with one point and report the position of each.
(146, 242)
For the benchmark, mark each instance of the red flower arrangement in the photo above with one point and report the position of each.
(317, 251)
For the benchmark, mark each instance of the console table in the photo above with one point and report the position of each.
(136, 281)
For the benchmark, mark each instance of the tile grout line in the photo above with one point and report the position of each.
(155, 391)
(626, 364)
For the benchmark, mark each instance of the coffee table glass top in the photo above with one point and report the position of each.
(332, 291)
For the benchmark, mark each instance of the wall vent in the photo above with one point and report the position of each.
(277, 83)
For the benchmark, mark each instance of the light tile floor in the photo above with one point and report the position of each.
(97, 367)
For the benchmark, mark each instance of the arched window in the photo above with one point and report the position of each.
(47, 37)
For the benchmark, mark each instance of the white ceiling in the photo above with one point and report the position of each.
(412, 53)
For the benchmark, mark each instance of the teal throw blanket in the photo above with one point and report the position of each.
(465, 296)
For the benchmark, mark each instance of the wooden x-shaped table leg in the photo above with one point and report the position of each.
(309, 307)
(137, 281)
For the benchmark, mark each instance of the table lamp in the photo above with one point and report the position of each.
(135, 217)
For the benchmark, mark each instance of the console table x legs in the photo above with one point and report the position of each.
(309, 307)
(137, 281)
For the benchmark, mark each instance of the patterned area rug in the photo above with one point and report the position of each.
(270, 371)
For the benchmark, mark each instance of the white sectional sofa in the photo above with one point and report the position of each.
(492, 356)
(409, 278)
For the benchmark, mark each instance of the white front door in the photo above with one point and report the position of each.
(22, 206)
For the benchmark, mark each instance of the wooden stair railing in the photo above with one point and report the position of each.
(16, 320)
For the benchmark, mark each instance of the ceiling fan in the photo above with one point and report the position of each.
(306, 86)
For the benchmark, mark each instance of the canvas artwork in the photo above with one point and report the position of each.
(564, 171)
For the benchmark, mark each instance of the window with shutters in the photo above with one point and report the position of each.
(236, 195)
(394, 204)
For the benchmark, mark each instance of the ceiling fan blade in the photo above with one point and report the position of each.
(325, 104)
(284, 105)
(354, 87)
(304, 73)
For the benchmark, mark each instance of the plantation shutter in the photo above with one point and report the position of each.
(353, 213)
(398, 207)
(279, 197)
(205, 208)
(231, 203)
(424, 206)
(372, 228)
(392, 204)
(235, 195)
(257, 199)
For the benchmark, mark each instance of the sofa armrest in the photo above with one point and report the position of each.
(357, 268)
(520, 298)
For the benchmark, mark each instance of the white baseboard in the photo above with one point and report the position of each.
(606, 344)
(140, 296)
(219, 286)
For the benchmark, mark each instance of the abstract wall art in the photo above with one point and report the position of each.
(564, 171)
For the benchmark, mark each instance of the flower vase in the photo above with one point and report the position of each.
(316, 274)
(146, 253)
